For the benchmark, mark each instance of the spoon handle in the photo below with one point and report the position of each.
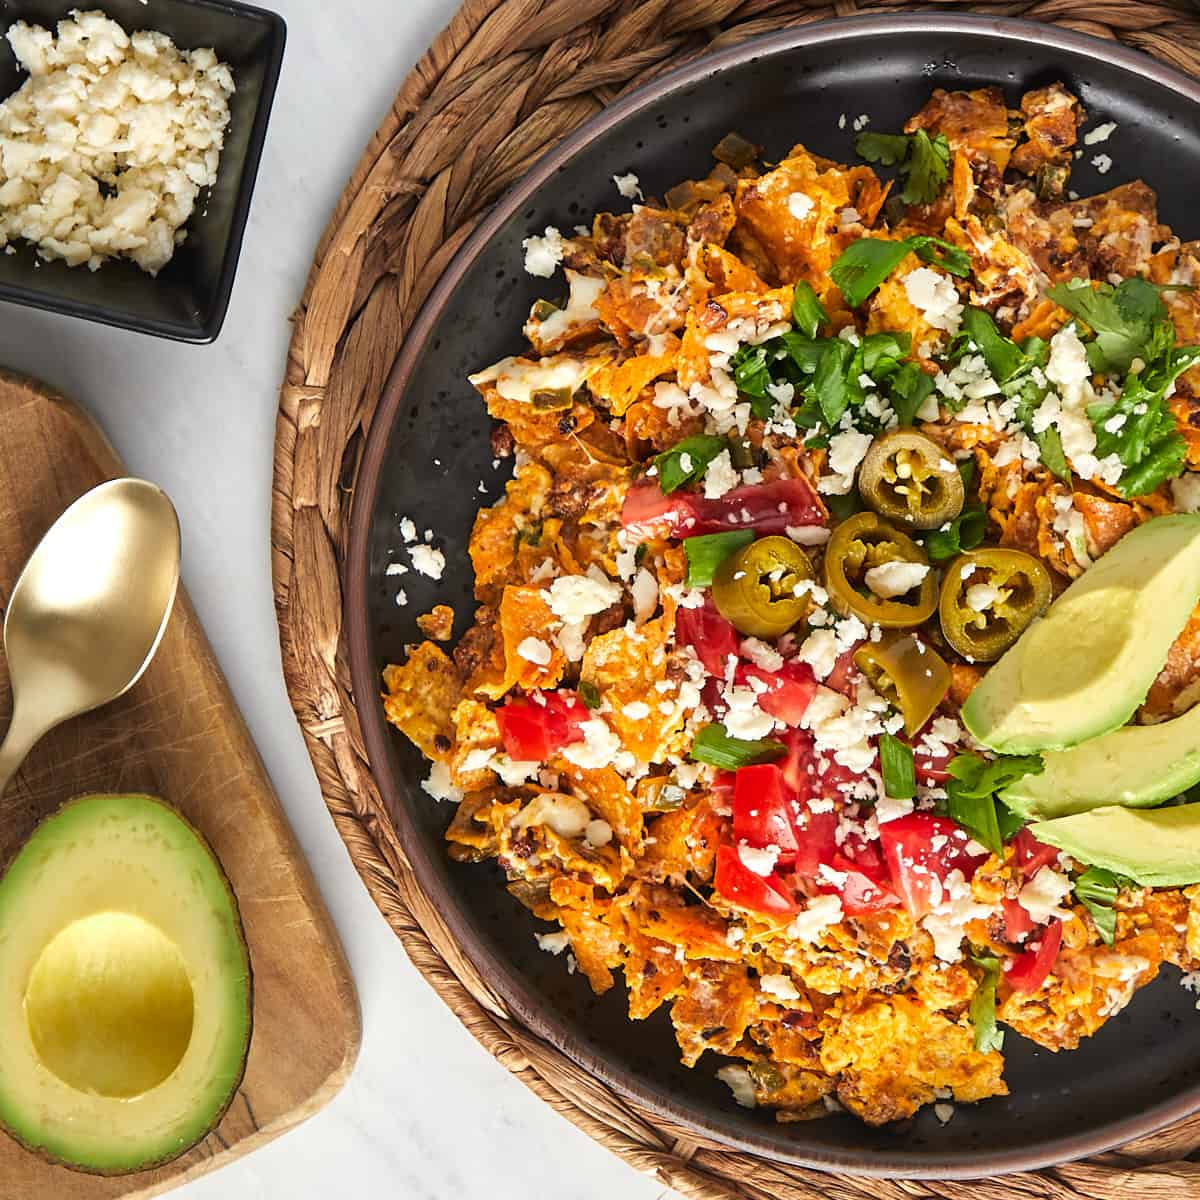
(18, 741)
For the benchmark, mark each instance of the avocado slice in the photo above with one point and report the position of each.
(1158, 848)
(1082, 670)
(1137, 766)
(125, 988)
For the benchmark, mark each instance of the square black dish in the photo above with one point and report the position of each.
(429, 445)
(188, 299)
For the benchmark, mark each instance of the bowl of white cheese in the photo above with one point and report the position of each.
(130, 138)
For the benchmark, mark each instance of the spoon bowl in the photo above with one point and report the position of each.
(89, 609)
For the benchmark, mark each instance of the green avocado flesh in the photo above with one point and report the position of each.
(1083, 669)
(1137, 766)
(124, 987)
(1159, 848)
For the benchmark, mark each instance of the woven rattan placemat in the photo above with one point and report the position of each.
(504, 82)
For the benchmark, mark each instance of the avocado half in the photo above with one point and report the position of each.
(1082, 670)
(125, 987)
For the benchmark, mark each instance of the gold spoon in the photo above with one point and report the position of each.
(89, 609)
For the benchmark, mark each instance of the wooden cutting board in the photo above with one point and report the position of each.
(178, 735)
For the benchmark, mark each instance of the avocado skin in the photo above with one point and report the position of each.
(245, 966)
(1082, 670)
(1136, 766)
(1156, 848)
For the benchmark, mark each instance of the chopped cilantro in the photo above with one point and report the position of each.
(1139, 427)
(866, 263)
(972, 792)
(965, 533)
(687, 461)
(1097, 889)
(808, 314)
(982, 1010)
(1130, 321)
(923, 162)
(589, 693)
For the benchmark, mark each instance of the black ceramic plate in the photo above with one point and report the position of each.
(429, 451)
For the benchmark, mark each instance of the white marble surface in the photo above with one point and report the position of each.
(427, 1113)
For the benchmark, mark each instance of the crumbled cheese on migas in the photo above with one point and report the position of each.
(1103, 163)
(519, 378)
(981, 596)
(598, 748)
(628, 186)
(577, 597)
(597, 833)
(1068, 369)
(759, 861)
(543, 254)
(936, 297)
(846, 451)
(1069, 524)
(779, 986)
(1044, 893)
(553, 943)
(808, 535)
(438, 784)
(946, 923)
(820, 913)
(581, 308)
(534, 650)
(566, 815)
(892, 579)
(737, 1079)
(644, 591)
(1185, 492)
(105, 147)
(799, 205)
(1100, 134)
(720, 477)
(428, 561)
(744, 719)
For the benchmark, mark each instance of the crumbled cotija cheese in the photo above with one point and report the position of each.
(105, 147)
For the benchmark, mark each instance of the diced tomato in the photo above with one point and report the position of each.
(797, 764)
(647, 513)
(537, 728)
(931, 768)
(844, 676)
(860, 893)
(723, 783)
(708, 633)
(762, 809)
(739, 885)
(816, 836)
(1018, 924)
(921, 851)
(789, 690)
(1029, 970)
(835, 781)
(1029, 854)
(763, 507)
(867, 886)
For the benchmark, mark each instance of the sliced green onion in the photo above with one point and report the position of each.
(708, 551)
(714, 746)
(896, 763)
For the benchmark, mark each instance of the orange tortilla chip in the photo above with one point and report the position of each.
(420, 699)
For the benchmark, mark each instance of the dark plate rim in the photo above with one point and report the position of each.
(207, 326)
(516, 994)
